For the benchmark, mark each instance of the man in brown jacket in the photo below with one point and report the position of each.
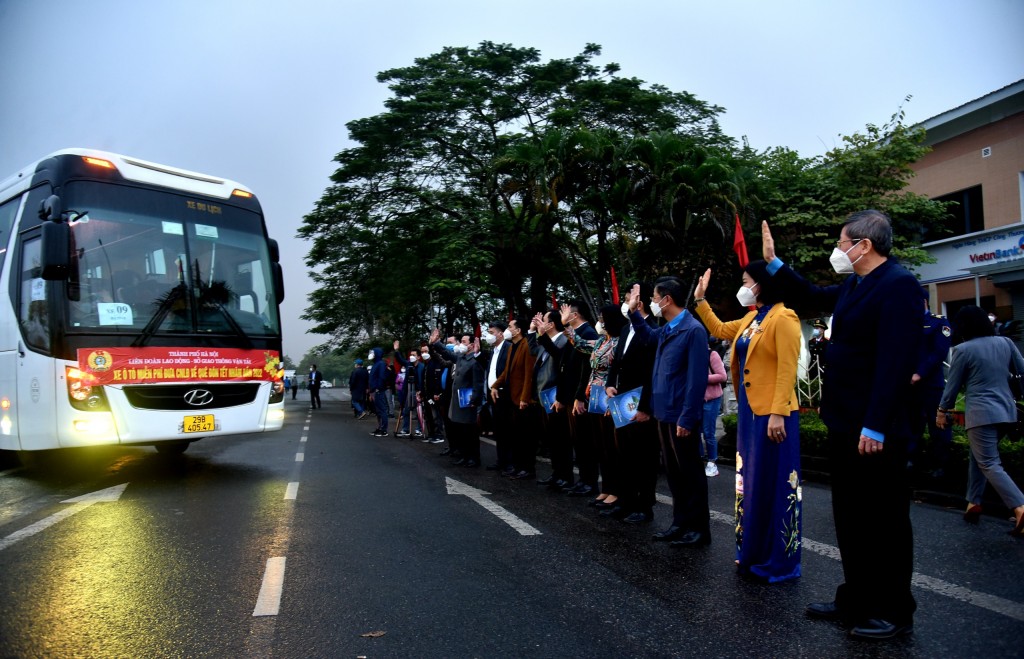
(516, 382)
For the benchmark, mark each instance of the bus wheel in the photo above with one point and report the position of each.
(172, 448)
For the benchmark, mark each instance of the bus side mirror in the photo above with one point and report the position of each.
(50, 209)
(278, 282)
(55, 255)
(275, 250)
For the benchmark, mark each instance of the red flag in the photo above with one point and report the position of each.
(739, 244)
(615, 287)
(554, 303)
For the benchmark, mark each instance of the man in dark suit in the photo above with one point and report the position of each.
(316, 378)
(573, 376)
(631, 367)
(500, 405)
(929, 380)
(865, 396)
(547, 342)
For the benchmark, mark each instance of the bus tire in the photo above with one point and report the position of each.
(172, 448)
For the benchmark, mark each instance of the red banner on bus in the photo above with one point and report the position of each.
(152, 364)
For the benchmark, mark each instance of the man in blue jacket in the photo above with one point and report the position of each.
(379, 391)
(677, 400)
(866, 406)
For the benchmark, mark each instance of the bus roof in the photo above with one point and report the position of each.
(135, 169)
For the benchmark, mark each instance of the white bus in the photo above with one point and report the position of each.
(138, 306)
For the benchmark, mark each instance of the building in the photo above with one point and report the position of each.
(977, 160)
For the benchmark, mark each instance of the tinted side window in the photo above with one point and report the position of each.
(7, 212)
(33, 313)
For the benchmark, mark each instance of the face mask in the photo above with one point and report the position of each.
(816, 333)
(507, 335)
(490, 339)
(655, 309)
(370, 355)
(460, 349)
(841, 262)
(991, 319)
(600, 328)
(412, 358)
(450, 347)
(625, 309)
(425, 356)
(746, 296)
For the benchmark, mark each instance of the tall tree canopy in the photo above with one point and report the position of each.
(494, 180)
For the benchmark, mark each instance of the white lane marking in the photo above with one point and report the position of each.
(291, 491)
(456, 487)
(305, 429)
(302, 439)
(299, 457)
(269, 601)
(992, 603)
(80, 503)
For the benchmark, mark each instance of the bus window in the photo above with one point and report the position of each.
(32, 312)
(7, 212)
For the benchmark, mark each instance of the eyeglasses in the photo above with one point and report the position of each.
(839, 243)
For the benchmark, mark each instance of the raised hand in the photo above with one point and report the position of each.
(702, 284)
(767, 243)
(435, 335)
(633, 299)
(396, 345)
(566, 312)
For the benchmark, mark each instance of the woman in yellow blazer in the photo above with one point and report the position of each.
(765, 349)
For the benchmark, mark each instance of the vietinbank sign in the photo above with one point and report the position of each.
(954, 257)
(1013, 252)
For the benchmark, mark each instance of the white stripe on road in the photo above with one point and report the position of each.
(302, 439)
(269, 601)
(305, 429)
(41, 525)
(291, 491)
(299, 457)
(457, 487)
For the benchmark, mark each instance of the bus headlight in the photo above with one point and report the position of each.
(82, 394)
(100, 425)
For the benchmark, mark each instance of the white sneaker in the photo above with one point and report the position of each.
(711, 470)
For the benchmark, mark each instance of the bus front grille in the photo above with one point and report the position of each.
(202, 396)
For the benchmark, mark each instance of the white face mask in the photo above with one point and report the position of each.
(816, 333)
(425, 356)
(746, 296)
(490, 339)
(625, 309)
(507, 335)
(991, 319)
(840, 260)
(600, 328)
(655, 309)
(412, 359)
(370, 355)
(460, 349)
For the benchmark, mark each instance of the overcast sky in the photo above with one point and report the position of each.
(260, 91)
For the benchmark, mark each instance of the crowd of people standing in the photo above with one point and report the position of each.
(547, 385)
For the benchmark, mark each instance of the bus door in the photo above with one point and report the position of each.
(38, 383)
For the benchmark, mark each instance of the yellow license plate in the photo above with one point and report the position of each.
(199, 423)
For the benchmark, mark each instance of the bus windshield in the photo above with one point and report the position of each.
(150, 262)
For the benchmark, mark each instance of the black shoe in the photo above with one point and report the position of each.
(459, 462)
(546, 481)
(615, 512)
(508, 471)
(671, 533)
(875, 629)
(560, 485)
(493, 467)
(824, 611)
(469, 463)
(446, 451)
(692, 539)
(638, 518)
(582, 490)
(524, 475)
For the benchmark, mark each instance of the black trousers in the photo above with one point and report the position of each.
(526, 429)
(583, 433)
(641, 455)
(466, 438)
(871, 507)
(501, 413)
(684, 470)
(556, 433)
(314, 397)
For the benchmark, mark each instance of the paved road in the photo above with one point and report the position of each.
(299, 543)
